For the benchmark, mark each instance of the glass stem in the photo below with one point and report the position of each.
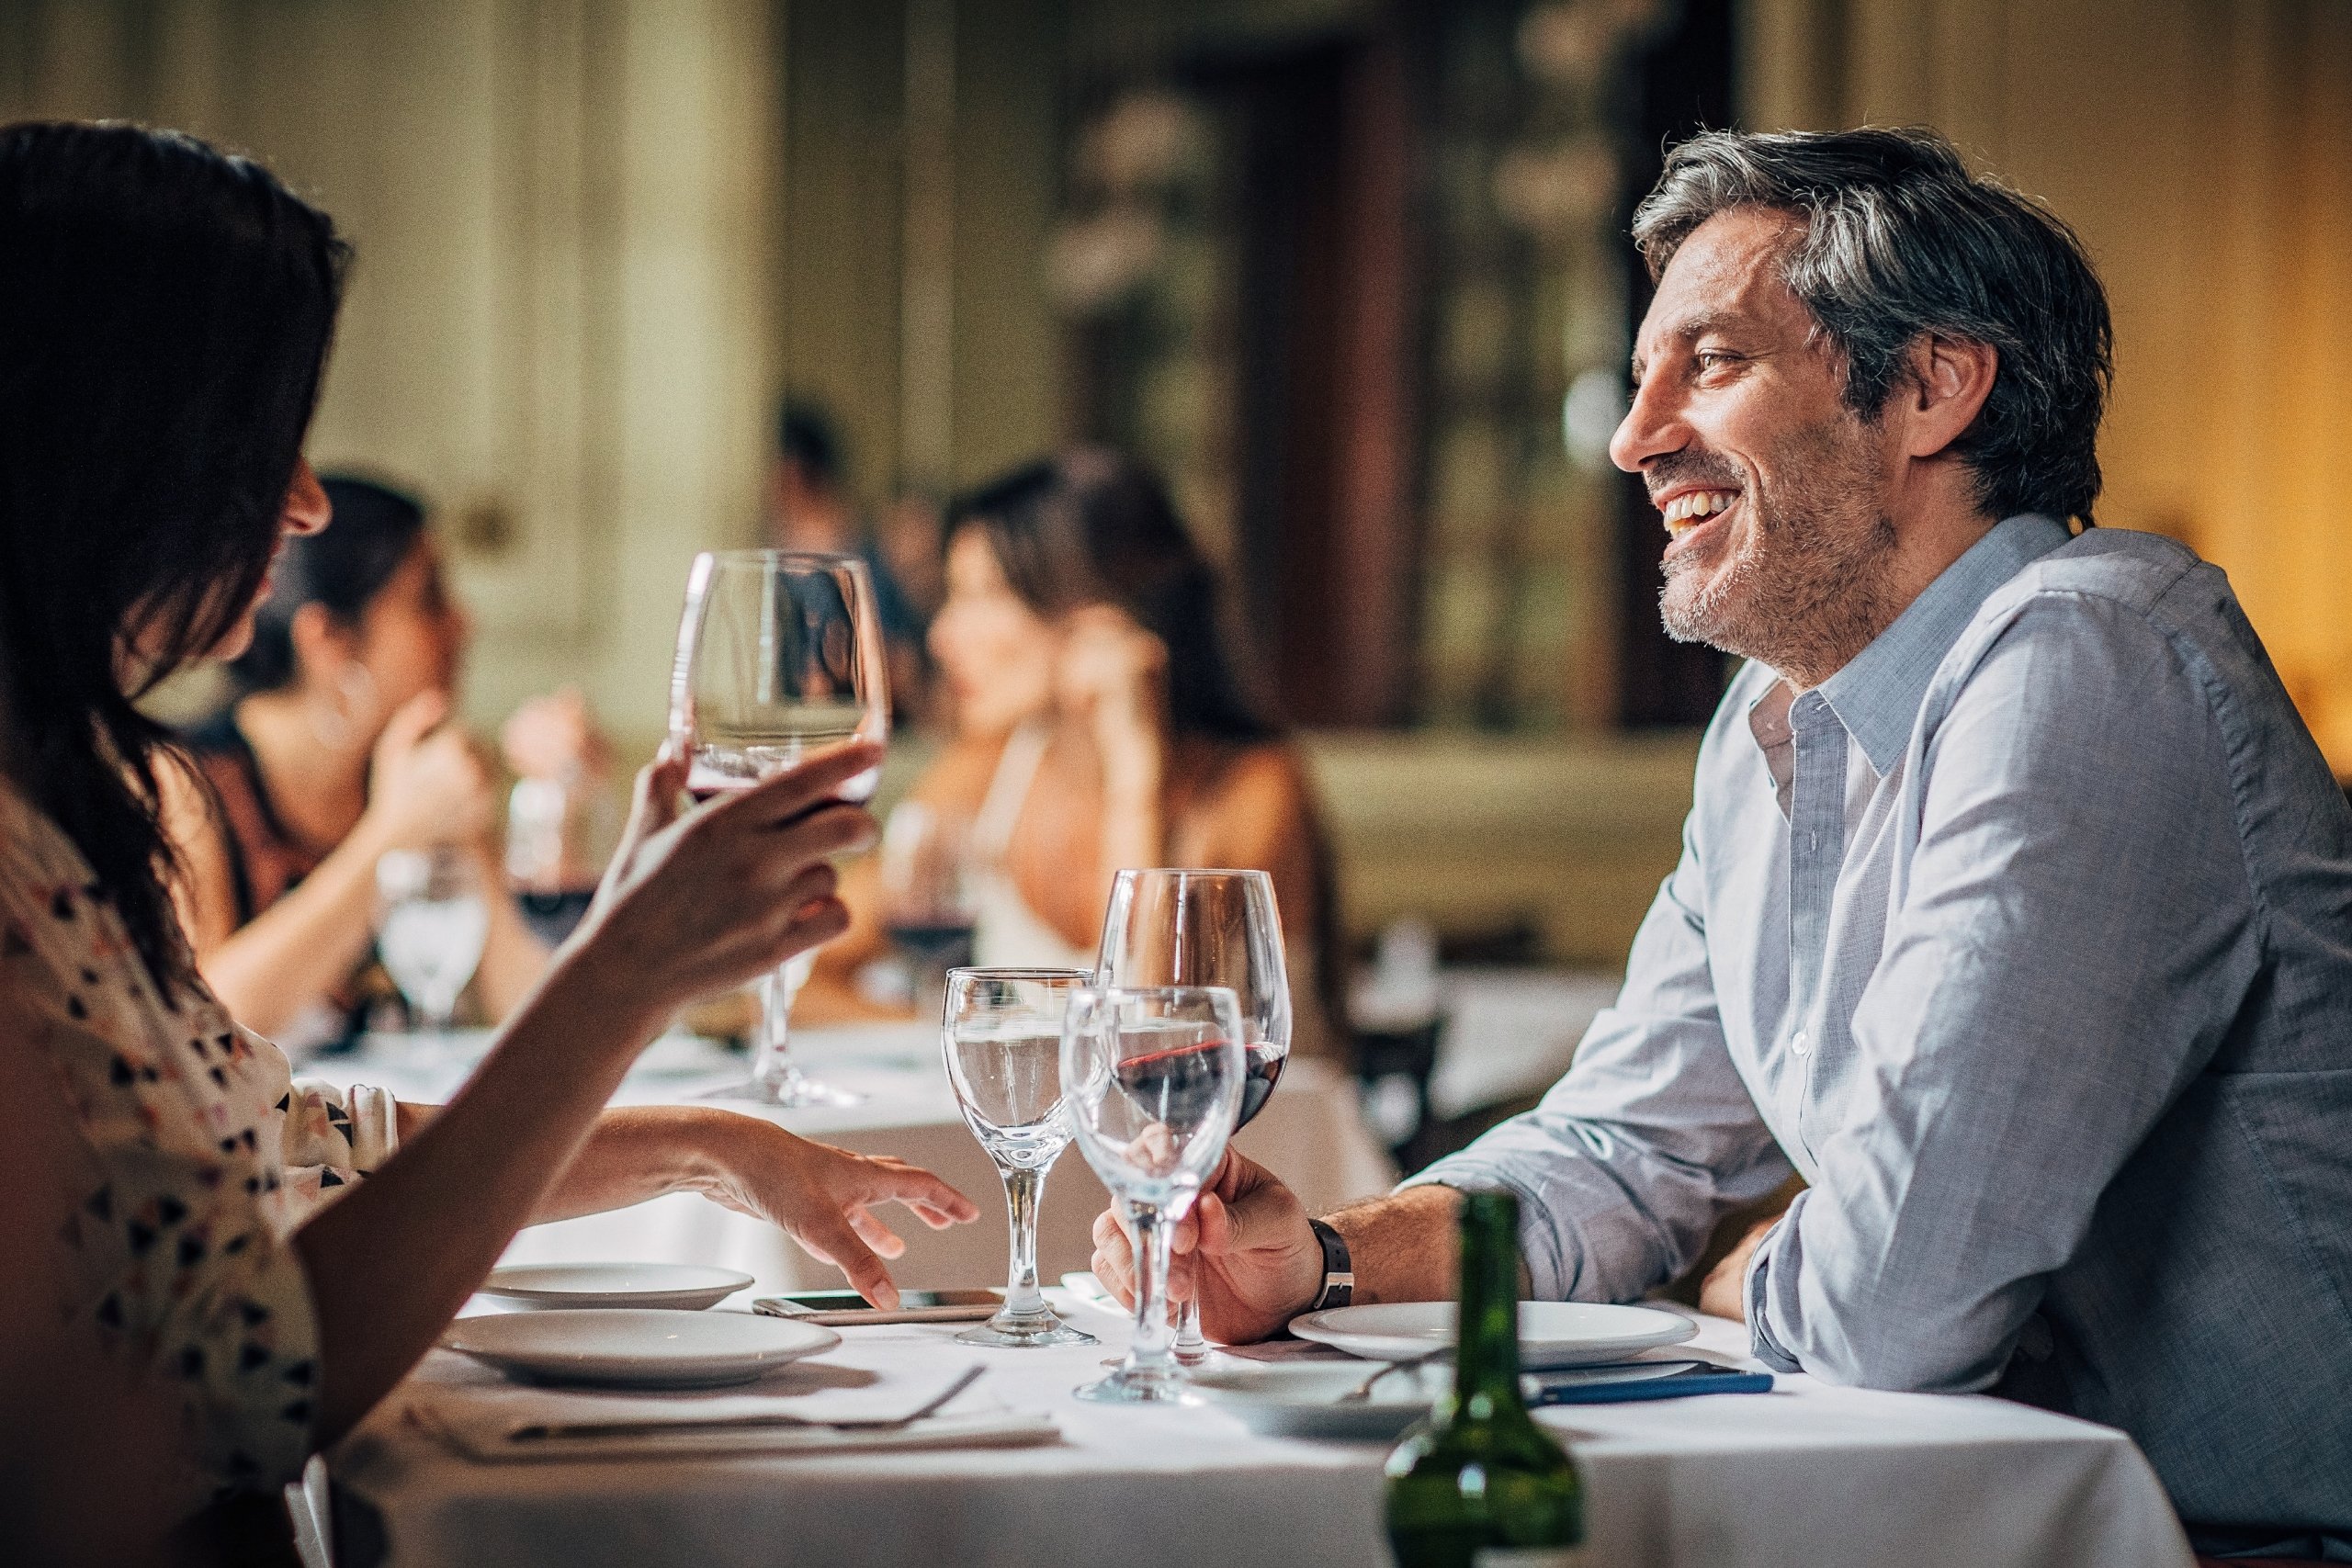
(1149, 1349)
(1025, 1187)
(1192, 1345)
(770, 1063)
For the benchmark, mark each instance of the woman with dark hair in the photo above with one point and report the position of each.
(164, 318)
(1103, 718)
(338, 748)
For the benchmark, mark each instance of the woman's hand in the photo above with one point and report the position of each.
(1114, 676)
(696, 903)
(824, 1198)
(428, 783)
(551, 736)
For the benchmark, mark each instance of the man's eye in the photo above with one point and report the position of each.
(1711, 358)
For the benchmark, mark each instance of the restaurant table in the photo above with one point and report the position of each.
(1808, 1476)
(1310, 1131)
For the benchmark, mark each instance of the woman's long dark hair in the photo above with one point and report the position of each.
(1093, 527)
(340, 570)
(164, 317)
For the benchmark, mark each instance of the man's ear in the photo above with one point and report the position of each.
(1949, 379)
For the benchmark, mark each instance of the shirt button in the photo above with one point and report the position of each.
(1799, 1044)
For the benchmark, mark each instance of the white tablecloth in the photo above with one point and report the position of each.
(1310, 1132)
(1806, 1477)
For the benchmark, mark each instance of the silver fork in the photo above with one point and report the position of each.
(546, 1431)
(1362, 1391)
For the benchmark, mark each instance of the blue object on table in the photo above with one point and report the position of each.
(1681, 1385)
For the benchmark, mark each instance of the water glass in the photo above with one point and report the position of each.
(1152, 1079)
(431, 921)
(1001, 1035)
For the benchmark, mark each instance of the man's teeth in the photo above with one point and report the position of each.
(1684, 511)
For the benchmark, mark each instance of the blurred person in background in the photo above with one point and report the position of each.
(1103, 719)
(342, 746)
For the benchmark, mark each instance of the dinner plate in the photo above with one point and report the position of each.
(685, 1287)
(636, 1347)
(1551, 1333)
(1300, 1399)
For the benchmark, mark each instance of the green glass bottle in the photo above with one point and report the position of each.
(1479, 1485)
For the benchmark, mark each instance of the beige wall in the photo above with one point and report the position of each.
(2200, 148)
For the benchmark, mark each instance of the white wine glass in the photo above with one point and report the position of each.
(432, 919)
(780, 656)
(1152, 1079)
(1172, 926)
(1001, 1035)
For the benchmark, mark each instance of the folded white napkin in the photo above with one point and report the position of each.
(502, 1422)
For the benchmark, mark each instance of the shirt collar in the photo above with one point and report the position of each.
(1876, 696)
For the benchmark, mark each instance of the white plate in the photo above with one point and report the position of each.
(688, 1287)
(633, 1348)
(1551, 1333)
(1298, 1399)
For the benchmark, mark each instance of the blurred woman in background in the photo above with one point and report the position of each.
(1103, 719)
(340, 747)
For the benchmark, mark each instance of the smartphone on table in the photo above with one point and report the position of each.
(835, 1308)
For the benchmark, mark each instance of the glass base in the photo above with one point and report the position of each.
(1141, 1385)
(794, 1087)
(1024, 1331)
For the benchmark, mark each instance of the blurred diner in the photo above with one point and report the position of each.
(341, 744)
(1105, 716)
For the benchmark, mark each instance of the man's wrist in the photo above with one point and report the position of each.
(1335, 1284)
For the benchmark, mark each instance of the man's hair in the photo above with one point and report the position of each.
(805, 436)
(1901, 239)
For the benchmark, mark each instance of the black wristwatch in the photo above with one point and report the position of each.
(1338, 1273)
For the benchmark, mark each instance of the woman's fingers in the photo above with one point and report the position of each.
(876, 1235)
(413, 720)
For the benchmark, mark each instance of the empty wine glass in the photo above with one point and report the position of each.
(1002, 1039)
(779, 655)
(1185, 927)
(1152, 1080)
(431, 922)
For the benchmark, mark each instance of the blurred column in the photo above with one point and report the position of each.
(927, 254)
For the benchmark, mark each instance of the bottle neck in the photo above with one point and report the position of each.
(1486, 1374)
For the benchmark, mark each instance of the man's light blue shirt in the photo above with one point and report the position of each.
(2026, 939)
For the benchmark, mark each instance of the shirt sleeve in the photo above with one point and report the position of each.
(330, 1138)
(2072, 938)
(1626, 1167)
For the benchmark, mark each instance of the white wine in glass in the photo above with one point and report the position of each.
(779, 657)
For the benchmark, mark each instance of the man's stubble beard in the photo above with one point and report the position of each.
(1809, 587)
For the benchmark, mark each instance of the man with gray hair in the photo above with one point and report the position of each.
(2014, 906)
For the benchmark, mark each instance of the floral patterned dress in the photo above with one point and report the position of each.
(205, 1156)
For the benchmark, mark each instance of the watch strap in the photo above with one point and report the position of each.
(1339, 1271)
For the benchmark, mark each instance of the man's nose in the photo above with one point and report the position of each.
(1651, 427)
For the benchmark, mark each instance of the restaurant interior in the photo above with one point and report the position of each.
(1354, 279)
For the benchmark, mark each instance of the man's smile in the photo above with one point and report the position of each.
(1694, 514)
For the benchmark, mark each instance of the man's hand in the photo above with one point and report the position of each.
(1723, 1292)
(1245, 1250)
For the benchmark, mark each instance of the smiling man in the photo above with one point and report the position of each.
(2015, 905)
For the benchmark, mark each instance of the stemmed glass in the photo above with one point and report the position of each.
(779, 655)
(431, 926)
(1172, 927)
(1152, 1077)
(1002, 1039)
(926, 894)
